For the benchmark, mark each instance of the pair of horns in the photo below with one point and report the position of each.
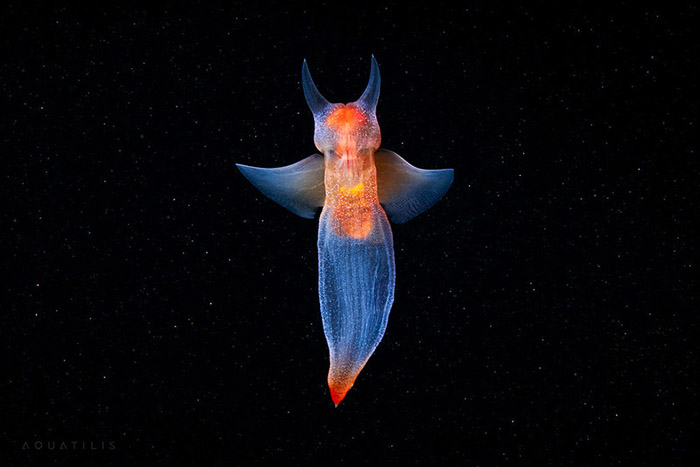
(318, 103)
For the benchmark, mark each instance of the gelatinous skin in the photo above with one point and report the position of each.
(355, 245)
(352, 181)
(356, 265)
(356, 291)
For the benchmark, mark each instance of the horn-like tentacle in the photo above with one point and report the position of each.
(370, 97)
(317, 103)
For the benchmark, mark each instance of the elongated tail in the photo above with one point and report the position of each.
(356, 290)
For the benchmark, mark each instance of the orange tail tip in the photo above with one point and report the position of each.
(339, 388)
(340, 381)
(337, 395)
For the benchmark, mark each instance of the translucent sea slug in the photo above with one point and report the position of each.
(358, 185)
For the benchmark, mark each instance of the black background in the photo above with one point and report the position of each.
(545, 308)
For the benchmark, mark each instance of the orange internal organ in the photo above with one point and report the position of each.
(345, 118)
(353, 211)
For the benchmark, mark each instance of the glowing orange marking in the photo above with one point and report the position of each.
(345, 118)
(337, 394)
(339, 385)
(353, 211)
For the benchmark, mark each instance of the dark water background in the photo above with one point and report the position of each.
(545, 309)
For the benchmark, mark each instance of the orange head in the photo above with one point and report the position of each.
(336, 124)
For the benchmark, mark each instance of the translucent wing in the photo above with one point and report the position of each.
(406, 191)
(298, 187)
